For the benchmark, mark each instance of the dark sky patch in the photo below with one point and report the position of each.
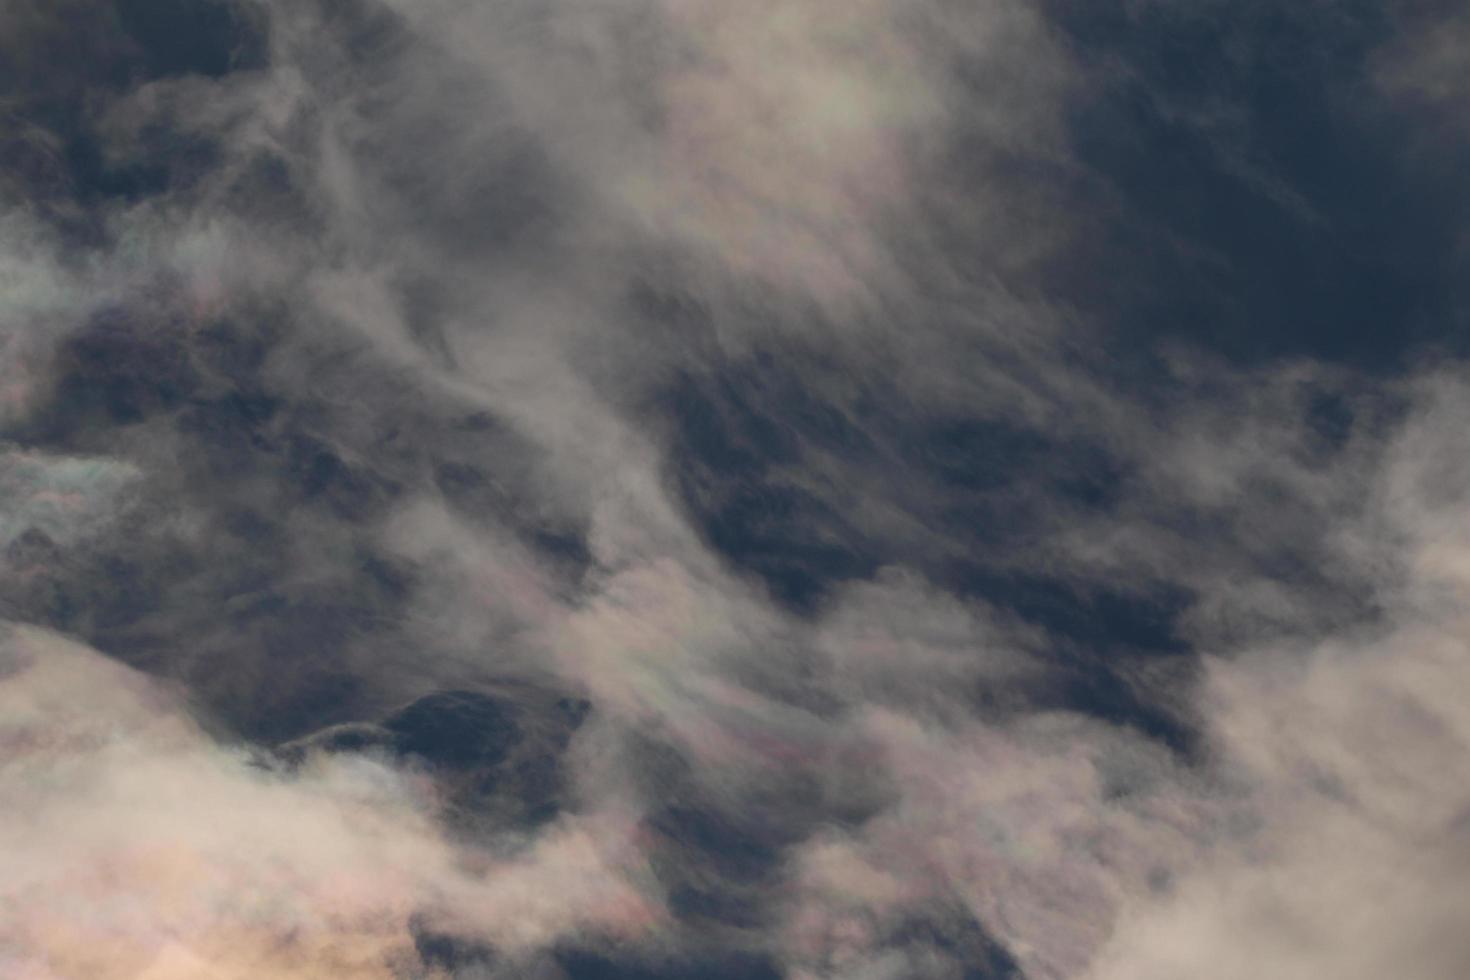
(1251, 196)
(204, 37)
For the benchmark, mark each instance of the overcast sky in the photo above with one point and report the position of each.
(711, 490)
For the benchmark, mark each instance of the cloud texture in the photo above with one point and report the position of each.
(799, 489)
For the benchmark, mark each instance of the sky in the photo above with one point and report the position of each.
(779, 490)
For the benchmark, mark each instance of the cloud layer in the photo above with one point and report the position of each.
(668, 489)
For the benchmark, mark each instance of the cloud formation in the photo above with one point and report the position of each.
(668, 489)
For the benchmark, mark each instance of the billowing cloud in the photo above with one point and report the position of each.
(143, 848)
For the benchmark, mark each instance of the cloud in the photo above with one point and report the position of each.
(776, 143)
(144, 848)
(1320, 833)
(57, 496)
(847, 399)
(1345, 743)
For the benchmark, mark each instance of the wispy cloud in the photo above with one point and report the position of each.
(860, 405)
